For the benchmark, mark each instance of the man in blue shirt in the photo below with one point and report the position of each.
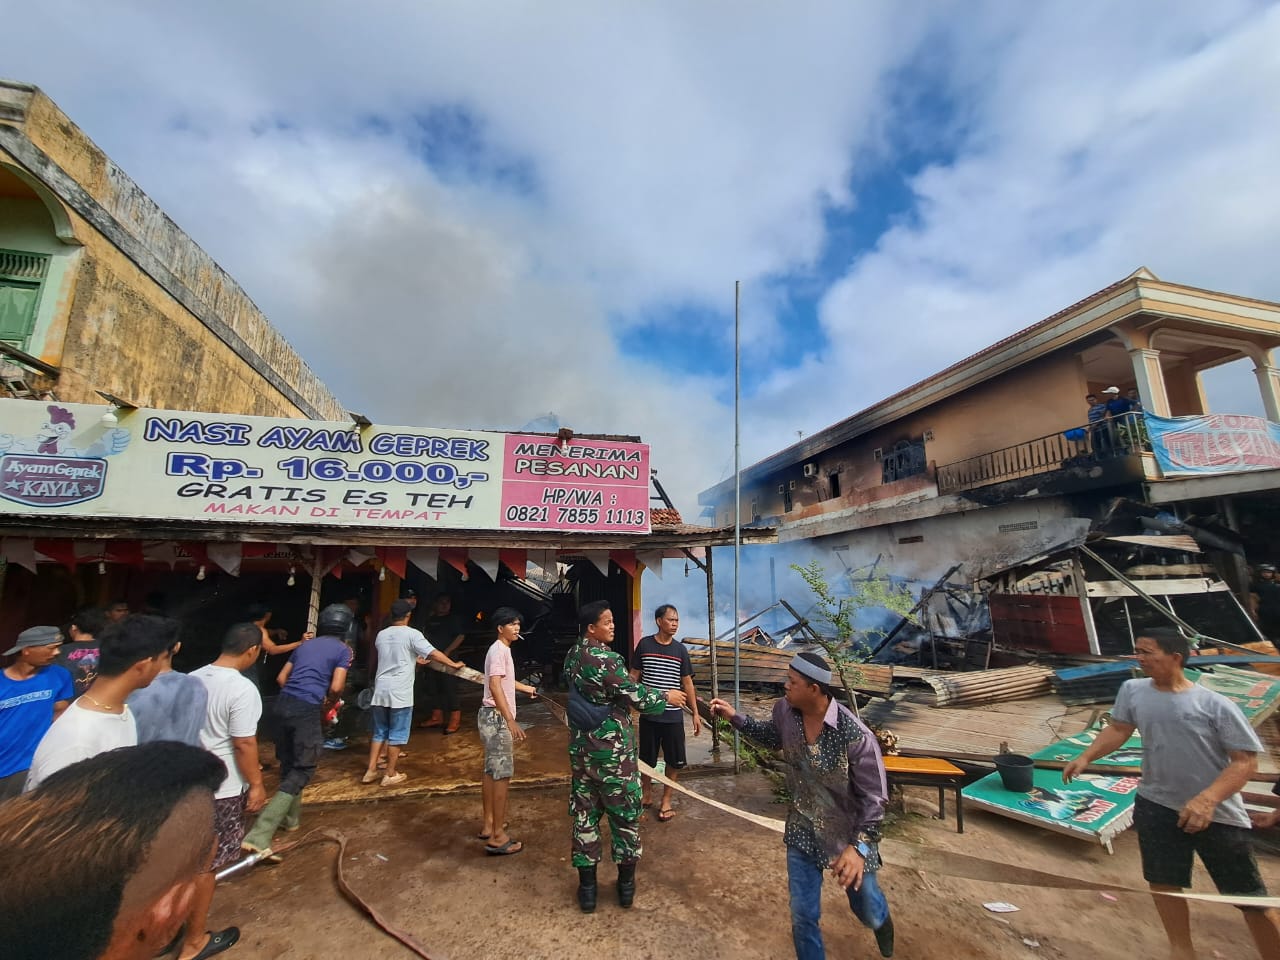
(314, 677)
(1099, 429)
(33, 692)
(172, 706)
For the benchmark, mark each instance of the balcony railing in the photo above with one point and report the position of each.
(1092, 443)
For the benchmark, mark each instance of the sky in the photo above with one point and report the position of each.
(476, 215)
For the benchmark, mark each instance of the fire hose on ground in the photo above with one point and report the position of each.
(896, 853)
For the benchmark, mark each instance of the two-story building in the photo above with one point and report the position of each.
(994, 460)
(101, 291)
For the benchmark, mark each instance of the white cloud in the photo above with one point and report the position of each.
(1150, 142)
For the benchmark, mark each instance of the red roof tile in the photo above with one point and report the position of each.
(665, 517)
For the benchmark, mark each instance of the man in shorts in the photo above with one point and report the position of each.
(1198, 753)
(230, 732)
(662, 662)
(499, 731)
(399, 647)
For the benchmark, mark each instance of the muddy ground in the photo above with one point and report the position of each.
(710, 886)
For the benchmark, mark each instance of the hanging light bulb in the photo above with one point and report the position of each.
(200, 572)
(382, 573)
(102, 568)
(292, 579)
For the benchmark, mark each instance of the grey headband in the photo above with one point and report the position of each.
(811, 670)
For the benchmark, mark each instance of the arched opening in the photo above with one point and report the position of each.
(37, 249)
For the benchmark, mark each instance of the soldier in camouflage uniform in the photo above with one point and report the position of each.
(602, 753)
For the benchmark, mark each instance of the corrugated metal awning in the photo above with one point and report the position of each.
(1179, 542)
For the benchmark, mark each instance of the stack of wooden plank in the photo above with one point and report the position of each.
(762, 664)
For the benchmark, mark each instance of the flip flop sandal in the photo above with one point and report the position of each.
(504, 850)
(665, 815)
(222, 940)
(486, 836)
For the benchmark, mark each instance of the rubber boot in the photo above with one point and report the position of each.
(293, 819)
(587, 889)
(884, 937)
(259, 838)
(437, 719)
(455, 721)
(626, 884)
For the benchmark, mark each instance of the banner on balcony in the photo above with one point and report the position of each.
(1223, 443)
(86, 460)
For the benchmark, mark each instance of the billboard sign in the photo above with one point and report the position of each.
(61, 459)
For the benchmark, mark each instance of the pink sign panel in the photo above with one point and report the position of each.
(597, 486)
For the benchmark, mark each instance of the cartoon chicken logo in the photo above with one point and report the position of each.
(51, 439)
(47, 470)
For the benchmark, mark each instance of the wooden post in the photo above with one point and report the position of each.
(317, 575)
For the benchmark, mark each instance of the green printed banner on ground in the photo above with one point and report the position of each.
(1256, 694)
(1064, 751)
(1093, 806)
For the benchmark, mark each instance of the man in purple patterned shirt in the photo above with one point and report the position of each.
(838, 789)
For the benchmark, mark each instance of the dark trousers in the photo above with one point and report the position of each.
(299, 740)
(441, 690)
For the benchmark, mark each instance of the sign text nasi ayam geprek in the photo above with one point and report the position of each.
(67, 459)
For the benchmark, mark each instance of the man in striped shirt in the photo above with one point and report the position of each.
(662, 662)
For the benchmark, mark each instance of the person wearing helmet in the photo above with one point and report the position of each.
(310, 681)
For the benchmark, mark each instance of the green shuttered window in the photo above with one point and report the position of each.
(21, 276)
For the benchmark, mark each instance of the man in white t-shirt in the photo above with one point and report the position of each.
(400, 647)
(230, 733)
(98, 720)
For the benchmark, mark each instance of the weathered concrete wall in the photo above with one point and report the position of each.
(150, 317)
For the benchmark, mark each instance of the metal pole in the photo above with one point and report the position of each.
(711, 642)
(737, 511)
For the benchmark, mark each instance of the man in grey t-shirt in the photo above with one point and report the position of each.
(1198, 752)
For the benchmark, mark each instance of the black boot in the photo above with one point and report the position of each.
(626, 884)
(884, 937)
(587, 889)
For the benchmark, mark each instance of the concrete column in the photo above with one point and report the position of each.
(1150, 377)
(1269, 383)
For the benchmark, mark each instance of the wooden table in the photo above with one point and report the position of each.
(929, 772)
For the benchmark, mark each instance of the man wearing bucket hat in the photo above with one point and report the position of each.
(838, 789)
(1198, 753)
(34, 690)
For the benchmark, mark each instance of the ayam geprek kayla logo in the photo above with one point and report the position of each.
(45, 470)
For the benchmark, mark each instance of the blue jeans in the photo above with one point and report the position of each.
(804, 883)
